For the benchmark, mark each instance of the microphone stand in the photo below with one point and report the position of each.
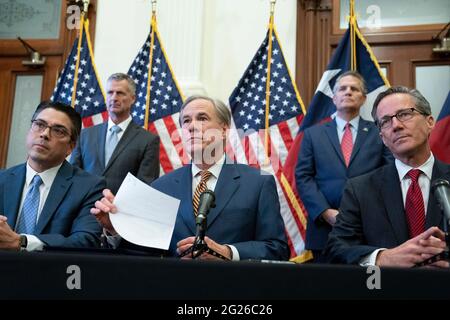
(199, 247)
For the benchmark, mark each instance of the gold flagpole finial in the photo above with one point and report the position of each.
(85, 6)
(154, 6)
(272, 6)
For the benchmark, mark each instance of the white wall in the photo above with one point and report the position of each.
(209, 42)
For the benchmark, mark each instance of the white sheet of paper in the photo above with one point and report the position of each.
(145, 216)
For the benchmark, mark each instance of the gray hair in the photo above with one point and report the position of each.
(354, 74)
(222, 111)
(122, 76)
(421, 104)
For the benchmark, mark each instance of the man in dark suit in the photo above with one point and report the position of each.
(45, 202)
(246, 222)
(333, 152)
(136, 150)
(390, 217)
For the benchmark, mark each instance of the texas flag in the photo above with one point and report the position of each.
(440, 136)
(322, 107)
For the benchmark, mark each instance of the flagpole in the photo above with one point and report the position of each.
(150, 61)
(77, 63)
(269, 59)
(352, 23)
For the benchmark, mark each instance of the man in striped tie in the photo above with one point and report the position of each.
(390, 217)
(246, 221)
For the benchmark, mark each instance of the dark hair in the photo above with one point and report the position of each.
(74, 116)
(123, 76)
(421, 104)
(354, 74)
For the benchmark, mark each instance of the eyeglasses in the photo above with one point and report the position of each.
(402, 116)
(56, 131)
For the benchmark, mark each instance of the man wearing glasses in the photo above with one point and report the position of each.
(45, 202)
(390, 217)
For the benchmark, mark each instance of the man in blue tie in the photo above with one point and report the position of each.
(45, 202)
(114, 148)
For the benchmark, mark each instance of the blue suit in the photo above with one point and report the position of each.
(247, 212)
(65, 219)
(321, 172)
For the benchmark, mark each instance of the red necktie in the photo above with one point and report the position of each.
(414, 206)
(347, 143)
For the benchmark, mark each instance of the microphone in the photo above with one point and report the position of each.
(207, 201)
(441, 190)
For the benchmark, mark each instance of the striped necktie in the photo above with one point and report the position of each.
(414, 205)
(201, 187)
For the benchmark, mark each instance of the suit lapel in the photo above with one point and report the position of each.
(393, 203)
(127, 137)
(363, 133)
(13, 194)
(101, 136)
(226, 186)
(434, 212)
(186, 210)
(60, 186)
(331, 131)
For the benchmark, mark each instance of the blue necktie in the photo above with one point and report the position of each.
(27, 220)
(111, 142)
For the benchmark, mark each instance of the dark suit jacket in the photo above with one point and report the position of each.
(137, 152)
(65, 219)
(247, 212)
(321, 172)
(372, 215)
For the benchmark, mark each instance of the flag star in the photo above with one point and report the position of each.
(285, 103)
(275, 74)
(152, 110)
(272, 83)
(96, 103)
(134, 114)
(241, 89)
(260, 111)
(141, 117)
(252, 107)
(257, 121)
(256, 98)
(91, 90)
(276, 97)
(80, 93)
(264, 57)
(174, 102)
(282, 112)
(249, 117)
(163, 74)
(275, 52)
(158, 60)
(249, 94)
(260, 88)
(158, 92)
(245, 103)
(169, 88)
(288, 94)
(280, 89)
(253, 85)
(238, 99)
(66, 85)
(63, 95)
(155, 69)
(273, 107)
(83, 62)
(160, 82)
(164, 106)
(84, 107)
(294, 108)
(279, 65)
(80, 70)
(242, 113)
(84, 84)
(72, 67)
(69, 76)
(270, 117)
(284, 80)
(88, 99)
(246, 126)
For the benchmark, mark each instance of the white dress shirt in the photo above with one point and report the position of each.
(47, 176)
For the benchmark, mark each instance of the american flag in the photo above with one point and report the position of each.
(165, 99)
(89, 99)
(286, 110)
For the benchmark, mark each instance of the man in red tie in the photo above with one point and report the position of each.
(331, 153)
(390, 217)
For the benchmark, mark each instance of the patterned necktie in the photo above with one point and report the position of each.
(111, 143)
(201, 187)
(28, 217)
(347, 143)
(414, 206)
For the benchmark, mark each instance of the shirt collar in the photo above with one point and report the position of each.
(215, 169)
(47, 176)
(426, 168)
(123, 125)
(340, 123)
